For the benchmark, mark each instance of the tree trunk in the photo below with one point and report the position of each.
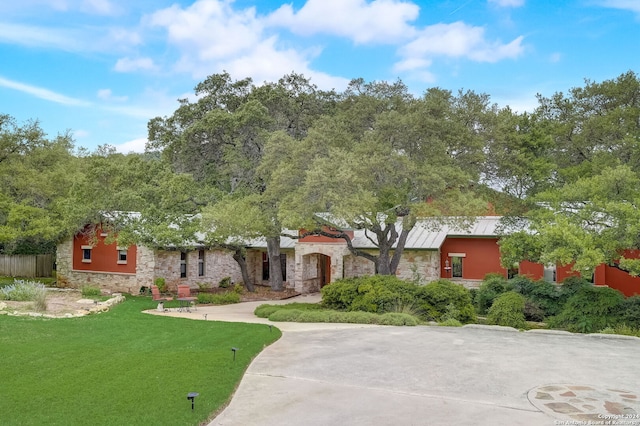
(275, 267)
(238, 256)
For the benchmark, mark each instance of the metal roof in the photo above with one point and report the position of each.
(429, 234)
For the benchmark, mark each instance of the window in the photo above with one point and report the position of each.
(265, 266)
(456, 267)
(201, 263)
(86, 254)
(550, 273)
(122, 256)
(183, 264)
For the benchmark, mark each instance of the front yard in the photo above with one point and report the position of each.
(121, 367)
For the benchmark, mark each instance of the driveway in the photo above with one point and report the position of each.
(319, 374)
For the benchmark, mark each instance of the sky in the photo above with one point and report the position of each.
(101, 69)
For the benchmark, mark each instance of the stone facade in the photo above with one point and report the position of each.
(421, 266)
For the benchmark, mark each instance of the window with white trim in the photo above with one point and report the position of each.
(86, 254)
(122, 256)
(183, 264)
(201, 263)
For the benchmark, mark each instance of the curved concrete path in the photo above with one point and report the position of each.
(340, 374)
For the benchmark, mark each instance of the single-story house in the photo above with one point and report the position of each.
(464, 255)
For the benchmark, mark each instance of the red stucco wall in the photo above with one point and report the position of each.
(482, 256)
(104, 258)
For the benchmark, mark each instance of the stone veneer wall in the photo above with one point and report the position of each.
(422, 266)
(306, 280)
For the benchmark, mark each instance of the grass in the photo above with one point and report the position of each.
(121, 367)
(47, 281)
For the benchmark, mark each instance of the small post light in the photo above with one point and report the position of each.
(234, 353)
(191, 396)
(270, 328)
(205, 316)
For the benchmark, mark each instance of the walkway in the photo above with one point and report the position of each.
(319, 374)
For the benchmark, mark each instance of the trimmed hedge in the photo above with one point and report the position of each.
(219, 298)
(591, 309)
(492, 287)
(445, 298)
(508, 310)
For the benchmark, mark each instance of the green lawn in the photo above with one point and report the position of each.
(122, 367)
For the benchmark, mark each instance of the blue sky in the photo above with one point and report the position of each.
(102, 68)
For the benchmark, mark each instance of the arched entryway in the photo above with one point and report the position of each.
(316, 270)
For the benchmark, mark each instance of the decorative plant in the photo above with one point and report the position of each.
(161, 283)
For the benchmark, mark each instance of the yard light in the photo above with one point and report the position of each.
(205, 316)
(191, 396)
(234, 353)
(270, 328)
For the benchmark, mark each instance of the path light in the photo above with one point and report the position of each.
(270, 327)
(234, 353)
(192, 396)
(205, 316)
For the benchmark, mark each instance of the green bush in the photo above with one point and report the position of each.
(492, 286)
(508, 310)
(445, 297)
(548, 297)
(161, 283)
(449, 322)
(219, 299)
(398, 319)
(630, 312)
(378, 293)
(622, 329)
(571, 286)
(90, 291)
(225, 282)
(532, 310)
(340, 294)
(264, 311)
(590, 309)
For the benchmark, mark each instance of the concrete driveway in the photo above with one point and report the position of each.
(319, 374)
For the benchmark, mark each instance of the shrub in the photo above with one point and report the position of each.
(40, 301)
(161, 283)
(238, 288)
(571, 286)
(91, 291)
(590, 309)
(340, 294)
(219, 299)
(622, 329)
(630, 312)
(263, 311)
(378, 293)
(443, 296)
(395, 318)
(548, 297)
(508, 310)
(23, 290)
(225, 282)
(450, 322)
(532, 310)
(492, 287)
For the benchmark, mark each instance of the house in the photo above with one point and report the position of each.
(462, 254)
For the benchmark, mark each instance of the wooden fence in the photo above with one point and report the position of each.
(30, 266)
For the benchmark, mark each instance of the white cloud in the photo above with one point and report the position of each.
(29, 35)
(42, 93)
(211, 36)
(129, 65)
(508, 3)
(456, 40)
(80, 134)
(136, 145)
(98, 7)
(107, 95)
(555, 57)
(630, 5)
(384, 21)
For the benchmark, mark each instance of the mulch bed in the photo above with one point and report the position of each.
(261, 293)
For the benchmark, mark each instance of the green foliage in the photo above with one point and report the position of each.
(630, 312)
(354, 317)
(238, 288)
(263, 311)
(23, 290)
(622, 329)
(378, 293)
(161, 283)
(445, 298)
(90, 291)
(450, 322)
(225, 282)
(203, 286)
(543, 298)
(508, 310)
(492, 286)
(590, 309)
(340, 294)
(225, 298)
(49, 358)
